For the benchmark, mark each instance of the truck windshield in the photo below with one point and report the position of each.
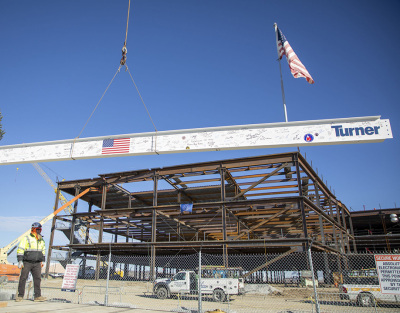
(180, 276)
(361, 277)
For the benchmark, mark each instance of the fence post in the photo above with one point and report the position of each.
(313, 279)
(199, 284)
(108, 277)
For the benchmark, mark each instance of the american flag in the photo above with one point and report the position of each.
(296, 67)
(111, 146)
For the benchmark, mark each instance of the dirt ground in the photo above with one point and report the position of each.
(258, 298)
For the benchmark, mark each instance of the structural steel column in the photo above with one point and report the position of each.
(339, 263)
(72, 234)
(321, 225)
(333, 225)
(300, 203)
(126, 265)
(352, 232)
(154, 228)
(103, 207)
(340, 224)
(116, 230)
(53, 228)
(339, 215)
(178, 226)
(115, 239)
(223, 196)
(382, 216)
(88, 228)
(318, 203)
(345, 227)
(86, 242)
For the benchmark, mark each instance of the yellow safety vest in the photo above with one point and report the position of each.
(31, 250)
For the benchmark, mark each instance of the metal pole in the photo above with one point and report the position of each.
(313, 279)
(223, 218)
(199, 284)
(100, 238)
(280, 71)
(108, 277)
(154, 228)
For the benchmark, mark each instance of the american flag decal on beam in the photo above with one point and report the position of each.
(296, 67)
(113, 146)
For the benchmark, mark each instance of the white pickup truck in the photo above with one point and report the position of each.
(366, 295)
(362, 287)
(186, 282)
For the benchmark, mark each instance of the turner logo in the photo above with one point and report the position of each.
(356, 131)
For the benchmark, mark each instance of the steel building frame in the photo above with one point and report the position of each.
(248, 205)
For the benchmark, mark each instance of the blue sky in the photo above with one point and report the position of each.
(196, 64)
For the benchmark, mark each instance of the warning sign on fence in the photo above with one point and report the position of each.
(388, 268)
(70, 278)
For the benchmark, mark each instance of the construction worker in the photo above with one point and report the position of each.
(31, 256)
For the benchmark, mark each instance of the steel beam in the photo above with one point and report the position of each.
(255, 136)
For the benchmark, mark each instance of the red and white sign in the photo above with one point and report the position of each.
(388, 268)
(70, 278)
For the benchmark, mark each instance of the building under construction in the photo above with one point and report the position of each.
(275, 203)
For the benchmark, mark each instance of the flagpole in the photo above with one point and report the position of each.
(280, 70)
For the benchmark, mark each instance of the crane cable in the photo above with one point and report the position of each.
(122, 63)
(127, 22)
(99, 101)
(141, 98)
(119, 68)
(137, 89)
(124, 50)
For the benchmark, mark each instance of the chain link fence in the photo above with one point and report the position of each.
(295, 282)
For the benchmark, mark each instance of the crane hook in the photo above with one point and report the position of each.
(124, 52)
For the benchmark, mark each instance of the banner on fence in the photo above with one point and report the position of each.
(388, 268)
(70, 278)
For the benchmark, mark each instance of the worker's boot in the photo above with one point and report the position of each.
(18, 299)
(40, 299)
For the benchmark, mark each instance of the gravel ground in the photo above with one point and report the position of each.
(257, 298)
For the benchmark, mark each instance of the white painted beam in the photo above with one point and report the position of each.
(274, 135)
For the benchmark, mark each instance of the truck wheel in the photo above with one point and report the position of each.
(219, 295)
(365, 299)
(162, 293)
